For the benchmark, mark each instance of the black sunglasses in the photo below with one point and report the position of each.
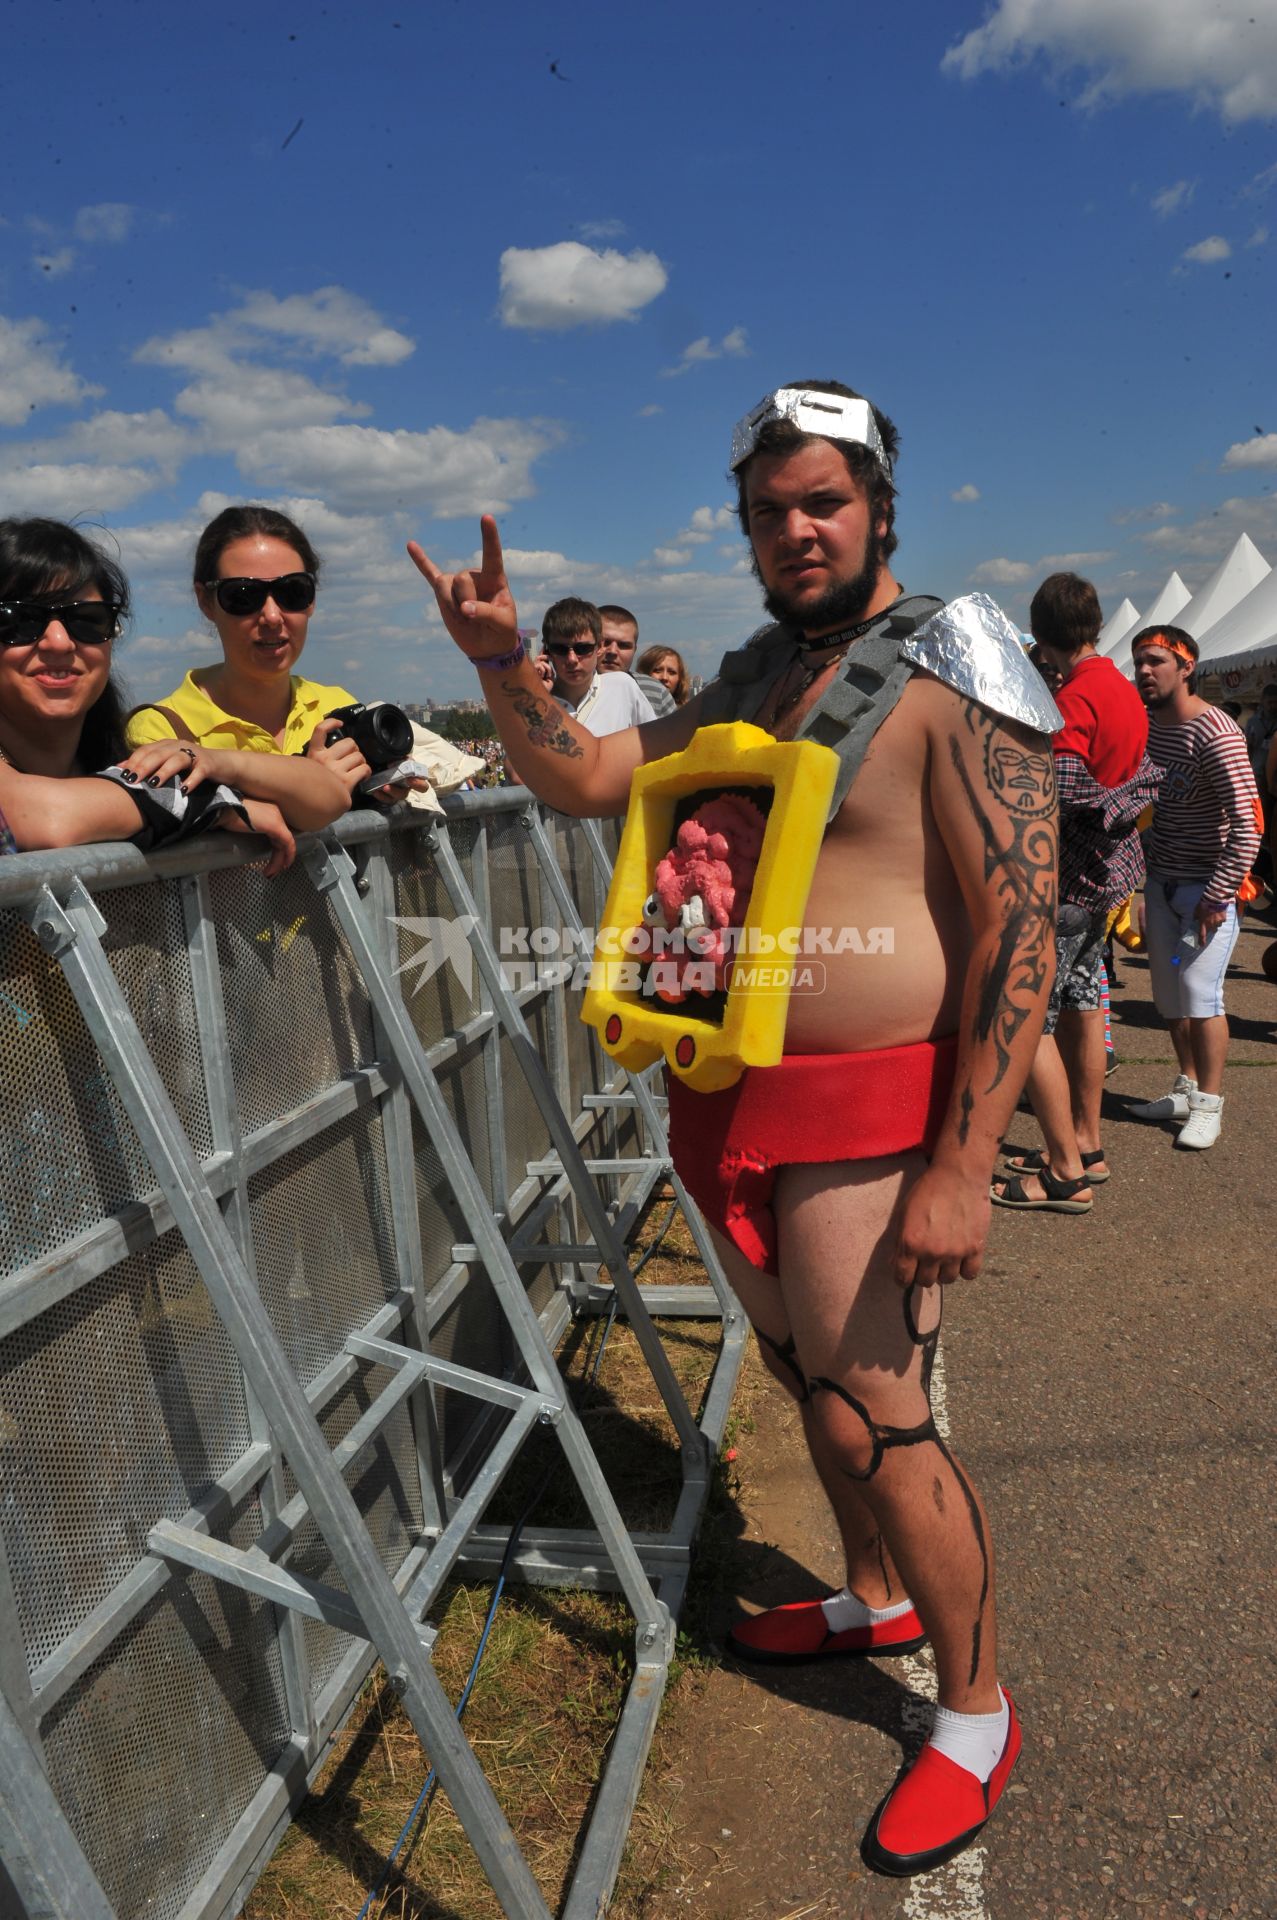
(562, 648)
(90, 623)
(291, 592)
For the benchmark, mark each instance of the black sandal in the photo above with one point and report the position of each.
(1059, 1196)
(1034, 1160)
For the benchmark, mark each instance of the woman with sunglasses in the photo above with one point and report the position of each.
(62, 604)
(250, 719)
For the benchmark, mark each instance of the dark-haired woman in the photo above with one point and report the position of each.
(62, 605)
(250, 718)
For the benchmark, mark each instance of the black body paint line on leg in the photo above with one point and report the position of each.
(788, 1354)
(883, 1438)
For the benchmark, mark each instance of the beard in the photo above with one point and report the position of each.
(841, 605)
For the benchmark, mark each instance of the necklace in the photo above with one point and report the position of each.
(842, 640)
(786, 704)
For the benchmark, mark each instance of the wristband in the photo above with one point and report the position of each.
(498, 663)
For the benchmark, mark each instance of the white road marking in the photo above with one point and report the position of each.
(955, 1892)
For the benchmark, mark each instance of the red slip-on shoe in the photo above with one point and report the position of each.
(935, 1810)
(786, 1636)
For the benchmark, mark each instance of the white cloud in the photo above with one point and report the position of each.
(671, 556)
(109, 222)
(967, 493)
(1172, 199)
(1157, 510)
(1001, 573)
(1215, 533)
(32, 373)
(1223, 56)
(570, 285)
(705, 523)
(733, 345)
(1260, 183)
(68, 488)
(330, 320)
(243, 400)
(649, 411)
(1070, 562)
(441, 472)
(602, 229)
(55, 264)
(1207, 251)
(1259, 238)
(97, 465)
(1259, 452)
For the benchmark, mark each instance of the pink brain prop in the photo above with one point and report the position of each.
(702, 893)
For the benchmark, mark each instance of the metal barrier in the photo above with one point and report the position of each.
(288, 1235)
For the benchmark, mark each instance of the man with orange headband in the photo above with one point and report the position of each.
(1203, 841)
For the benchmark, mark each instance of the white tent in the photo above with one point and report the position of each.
(1164, 610)
(1232, 581)
(1246, 637)
(1117, 626)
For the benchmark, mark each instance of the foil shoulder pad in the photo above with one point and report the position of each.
(974, 648)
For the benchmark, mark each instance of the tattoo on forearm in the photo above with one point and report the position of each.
(543, 721)
(1018, 798)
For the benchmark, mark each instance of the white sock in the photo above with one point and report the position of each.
(973, 1740)
(843, 1611)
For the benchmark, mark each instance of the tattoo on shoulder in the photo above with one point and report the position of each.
(543, 721)
(1015, 812)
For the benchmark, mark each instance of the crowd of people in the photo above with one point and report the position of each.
(996, 822)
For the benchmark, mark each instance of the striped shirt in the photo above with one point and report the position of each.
(1204, 818)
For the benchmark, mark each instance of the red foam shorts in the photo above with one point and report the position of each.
(728, 1147)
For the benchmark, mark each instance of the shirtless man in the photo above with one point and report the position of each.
(947, 837)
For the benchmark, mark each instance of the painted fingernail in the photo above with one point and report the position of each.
(153, 780)
(129, 776)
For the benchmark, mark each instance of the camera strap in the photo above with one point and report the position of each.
(180, 729)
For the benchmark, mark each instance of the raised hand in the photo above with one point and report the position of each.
(477, 608)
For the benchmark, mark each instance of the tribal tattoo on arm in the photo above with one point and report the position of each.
(543, 722)
(1015, 816)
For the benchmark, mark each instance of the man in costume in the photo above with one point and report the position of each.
(847, 1185)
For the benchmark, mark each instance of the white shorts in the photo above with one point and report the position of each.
(1188, 982)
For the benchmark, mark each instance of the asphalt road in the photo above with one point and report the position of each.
(1109, 1384)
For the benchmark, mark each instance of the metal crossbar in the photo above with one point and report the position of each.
(383, 1382)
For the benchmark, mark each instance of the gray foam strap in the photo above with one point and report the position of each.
(855, 704)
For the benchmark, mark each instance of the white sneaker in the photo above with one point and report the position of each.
(1171, 1106)
(1201, 1129)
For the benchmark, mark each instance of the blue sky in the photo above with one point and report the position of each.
(389, 265)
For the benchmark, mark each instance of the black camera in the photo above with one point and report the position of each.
(382, 733)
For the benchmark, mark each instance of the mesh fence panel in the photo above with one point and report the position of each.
(297, 1013)
(157, 1750)
(118, 1406)
(122, 1400)
(70, 1154)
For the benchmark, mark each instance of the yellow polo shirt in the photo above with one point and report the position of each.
(308, 704)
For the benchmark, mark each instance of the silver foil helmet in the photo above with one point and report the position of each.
(831, 415)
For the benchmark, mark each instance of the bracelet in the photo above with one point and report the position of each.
(498, 663)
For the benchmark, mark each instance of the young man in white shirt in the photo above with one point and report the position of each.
(572, 633)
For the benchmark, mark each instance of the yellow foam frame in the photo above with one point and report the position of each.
(635, 1030)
